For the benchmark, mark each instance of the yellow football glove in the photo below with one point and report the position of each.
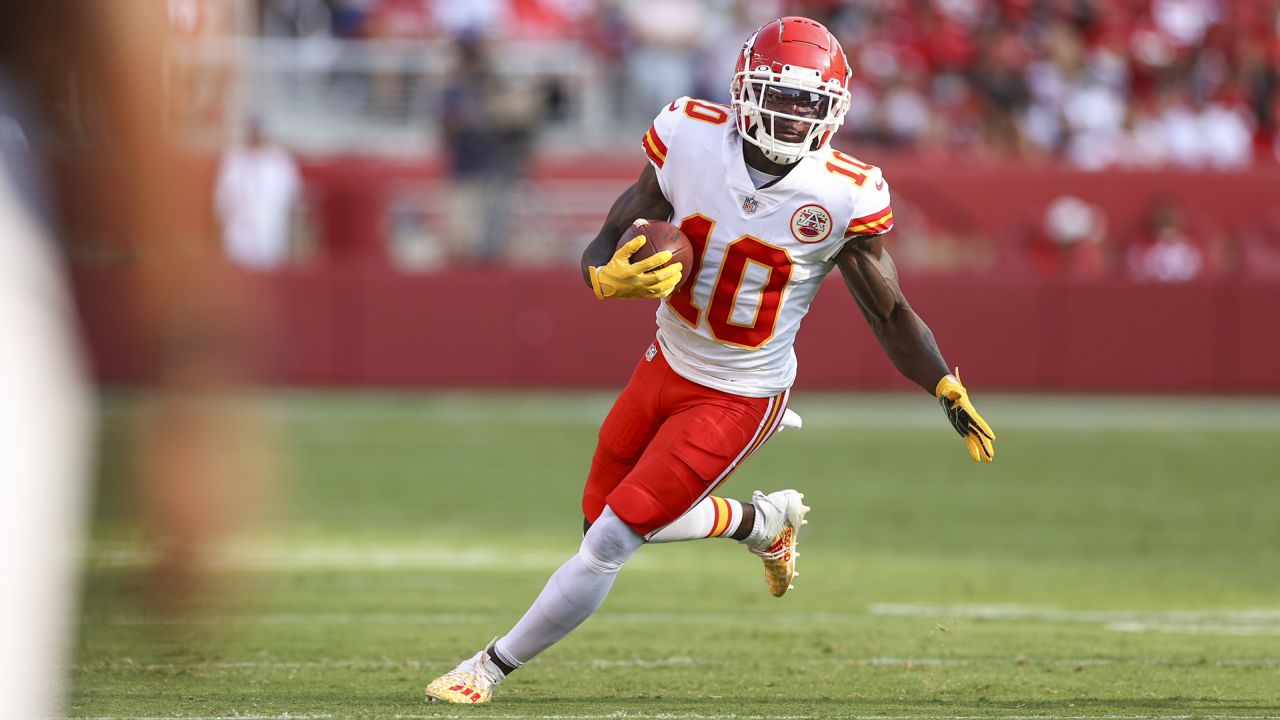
(975, 431)
(621, 278)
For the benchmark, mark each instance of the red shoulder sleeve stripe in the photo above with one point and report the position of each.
(655, 148)
(871, 224)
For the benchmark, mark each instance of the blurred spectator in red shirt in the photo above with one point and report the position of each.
(1260, 246)
(1164, 252)
(1072, 240)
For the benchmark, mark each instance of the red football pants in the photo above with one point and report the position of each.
(668, 442)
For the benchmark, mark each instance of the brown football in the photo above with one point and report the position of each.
(659, 236)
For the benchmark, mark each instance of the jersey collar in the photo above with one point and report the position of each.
(754, 202)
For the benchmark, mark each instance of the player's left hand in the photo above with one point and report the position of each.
(976, 432)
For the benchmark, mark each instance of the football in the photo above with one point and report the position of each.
(659, 236)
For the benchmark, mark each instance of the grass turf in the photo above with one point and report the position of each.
(1121, 558)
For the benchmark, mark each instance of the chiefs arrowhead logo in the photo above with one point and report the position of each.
(811, 224)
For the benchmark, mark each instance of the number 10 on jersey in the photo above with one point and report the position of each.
(742, 252)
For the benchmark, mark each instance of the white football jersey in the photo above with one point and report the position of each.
(759, 254)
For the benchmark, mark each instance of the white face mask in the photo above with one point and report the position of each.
(788, 115)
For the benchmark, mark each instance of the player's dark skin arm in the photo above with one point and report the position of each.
(872, 279)
(644, 199)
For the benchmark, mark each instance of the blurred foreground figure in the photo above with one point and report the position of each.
(44, 449)
(770, 209)
(93, 75)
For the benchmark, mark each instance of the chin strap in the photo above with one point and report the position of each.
(781, 159)
(772, 155)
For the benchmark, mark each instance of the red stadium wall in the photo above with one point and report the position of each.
(351, 318)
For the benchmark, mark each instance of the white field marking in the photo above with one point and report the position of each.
(1263, 619)
(632, 618)
(1193, 629)
(430, 664)
(637, 662)
(627, 715)
(281, 716)
(847, 411)
(1057, 413)
(1253, 617)
(366, 664)
(267, 555)
(316, 619)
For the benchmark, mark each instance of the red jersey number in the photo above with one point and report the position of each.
(713, 113)
(739, 255)
(849, 167)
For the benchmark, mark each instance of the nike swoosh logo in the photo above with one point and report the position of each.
(880, 184)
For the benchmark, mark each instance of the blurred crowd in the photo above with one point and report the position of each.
(1169, 244)
(1098, 83)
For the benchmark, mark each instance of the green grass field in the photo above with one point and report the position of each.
(1120, 559)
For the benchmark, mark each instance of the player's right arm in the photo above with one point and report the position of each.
(607, 269)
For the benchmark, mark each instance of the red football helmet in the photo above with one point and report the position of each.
(790, 88)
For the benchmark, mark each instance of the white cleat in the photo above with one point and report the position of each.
(783, 513)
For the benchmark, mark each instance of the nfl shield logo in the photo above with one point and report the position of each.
(750, 205)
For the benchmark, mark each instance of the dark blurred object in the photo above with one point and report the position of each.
(489, 121)
(296, 18)
(349, 17)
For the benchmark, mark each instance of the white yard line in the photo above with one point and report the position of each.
(1243, 617)
(268, 555)
(851, 411)
(1193, 629)
(127, 664)
(1245, 622)
(627, 715)
(282, 716)
(1222, 622)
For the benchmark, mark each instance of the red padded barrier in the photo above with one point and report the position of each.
(350, 318)
(504, 327)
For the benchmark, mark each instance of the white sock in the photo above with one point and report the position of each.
(713, 517)
(573, 593)
(770, 517)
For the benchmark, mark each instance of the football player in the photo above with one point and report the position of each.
(770, 208)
